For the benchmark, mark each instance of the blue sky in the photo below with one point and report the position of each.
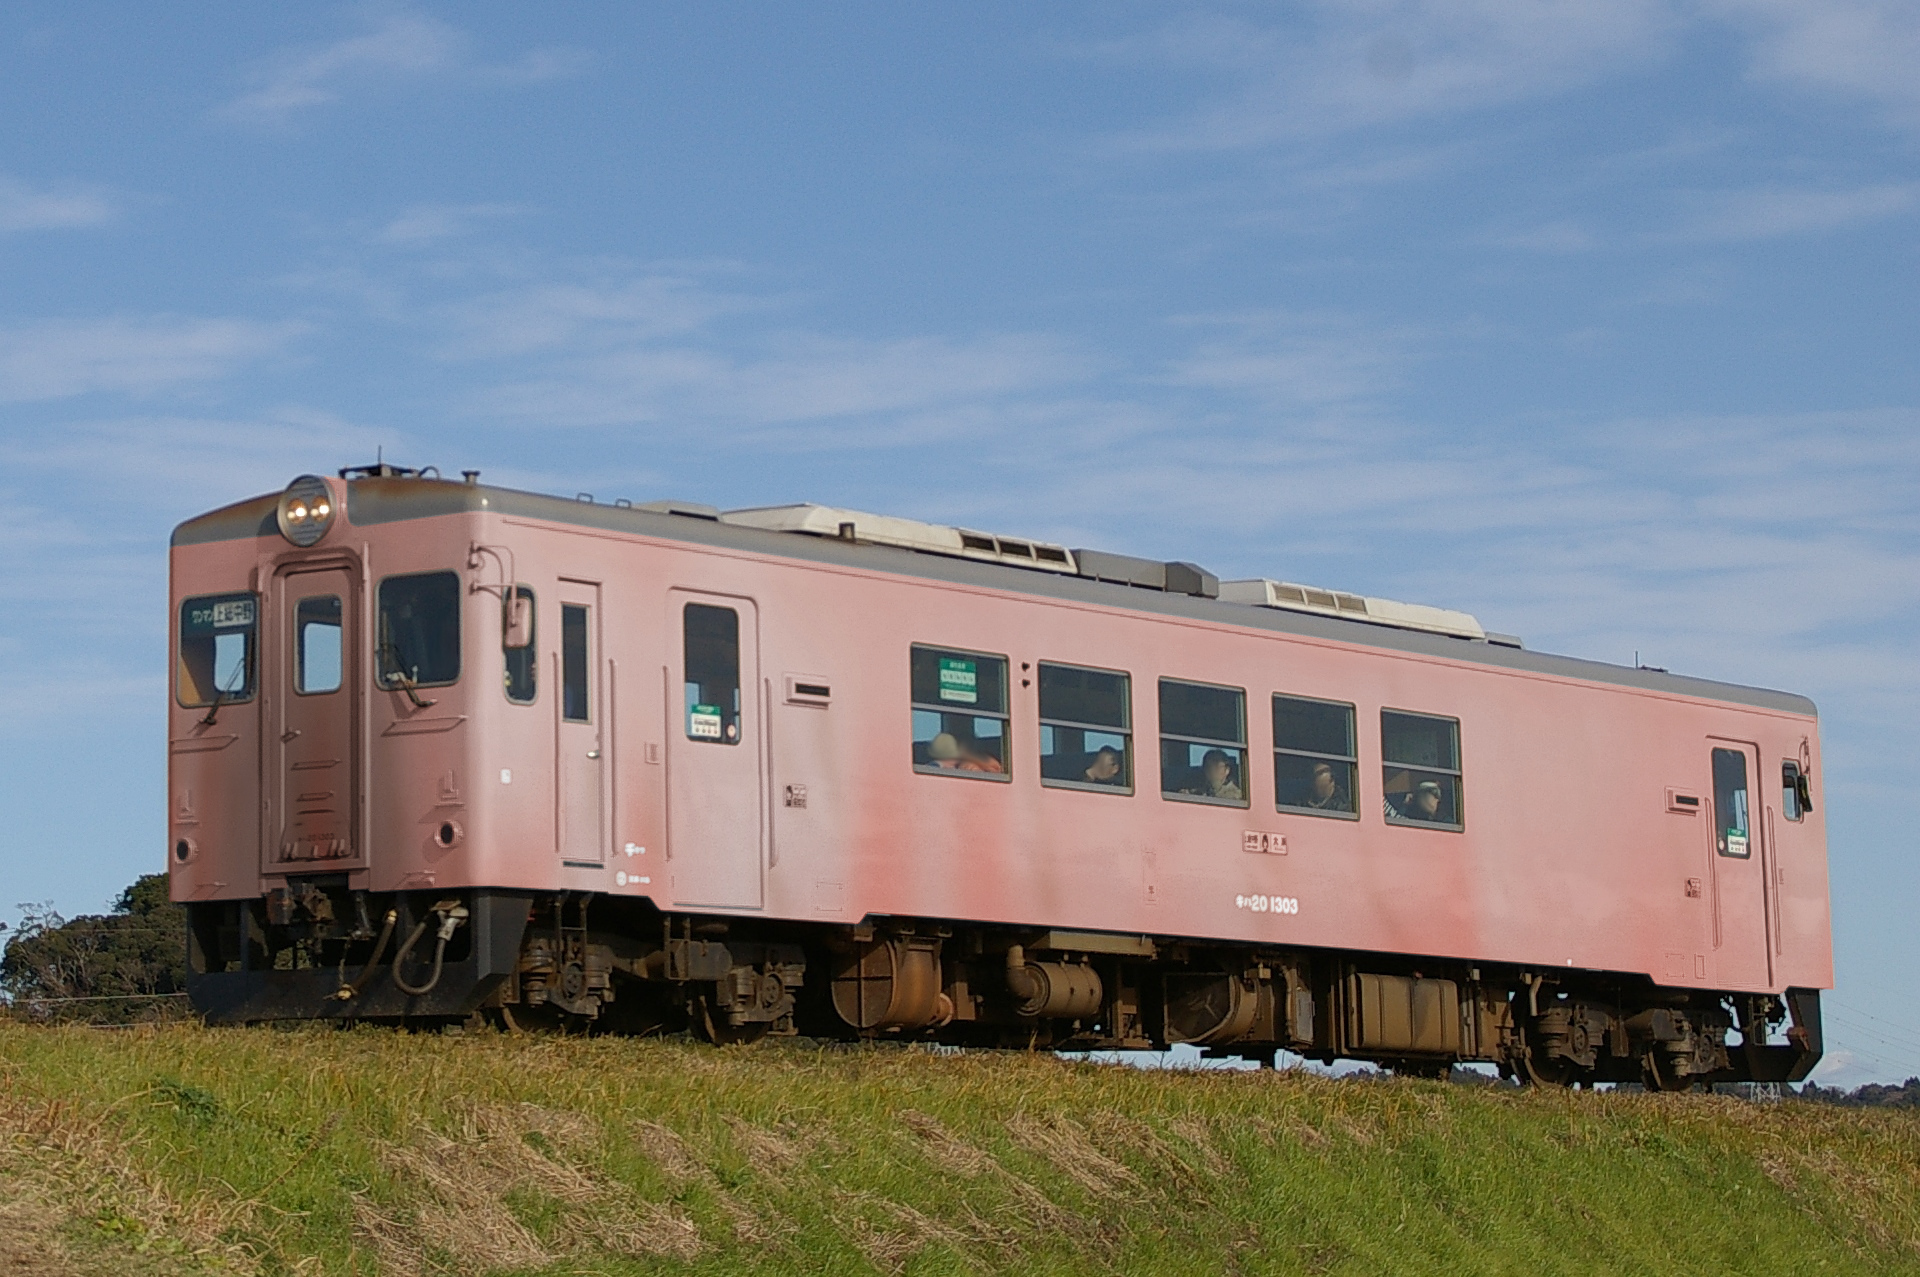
(1595, 319)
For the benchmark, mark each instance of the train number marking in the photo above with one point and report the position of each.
(1267, 904)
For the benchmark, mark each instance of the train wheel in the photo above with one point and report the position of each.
(716, 1030)
(1656, 1075)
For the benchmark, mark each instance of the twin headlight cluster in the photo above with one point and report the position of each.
(306, 510)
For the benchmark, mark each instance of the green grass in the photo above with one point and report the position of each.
(369, 1151)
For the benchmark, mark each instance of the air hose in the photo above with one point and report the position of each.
(452, 913)
(348, 992)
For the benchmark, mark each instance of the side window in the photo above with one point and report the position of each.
(316, 645)
(1421, 776)
(523, 659)
(960, 713)
(1203, 743)
(1314, 762)
(1730, 825)
(217, 634)
(417, 641)
(1086, 736)
(1793, 784)
(712, 636)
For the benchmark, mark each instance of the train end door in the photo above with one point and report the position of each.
(716, 743)
(1741, 862)
(582, 739)
(312, 814)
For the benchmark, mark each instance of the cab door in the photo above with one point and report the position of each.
(1740, 859)
(312, 798)
(716, 744)
(581, 736)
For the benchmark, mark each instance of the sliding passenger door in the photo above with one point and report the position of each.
(715, 751)
(1740, 857)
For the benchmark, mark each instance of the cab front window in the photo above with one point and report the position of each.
(217, 638)
(418, 643)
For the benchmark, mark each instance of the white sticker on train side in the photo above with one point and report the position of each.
(1267, 904)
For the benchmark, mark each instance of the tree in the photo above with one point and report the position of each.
(133, 953)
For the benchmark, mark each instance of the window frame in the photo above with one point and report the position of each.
(1005, 717)
(1352, 761)
(300, 648)
(1458, 772)
(586, 670)
(1125, 731)
(397, 681)
(1245, 801)
(250, 658)
(1722, 826)
(1792, 805)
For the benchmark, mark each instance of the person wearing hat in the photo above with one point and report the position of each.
(1422, 804)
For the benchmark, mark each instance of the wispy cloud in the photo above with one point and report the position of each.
(55, 359)
(1773, 212)
(1858, 49)
(399, 48)
(431, 223)
(24, 207)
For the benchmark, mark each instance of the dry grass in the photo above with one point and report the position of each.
(181, 1149)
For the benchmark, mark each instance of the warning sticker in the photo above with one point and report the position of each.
(959, 681)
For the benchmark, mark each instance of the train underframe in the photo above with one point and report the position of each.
(317, 950)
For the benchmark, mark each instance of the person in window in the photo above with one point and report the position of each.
(1324, 792)
(1422, 804)
(1106, 768)
(945, 750)
(1216, 776)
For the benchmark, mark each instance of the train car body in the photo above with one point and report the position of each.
(439, 749)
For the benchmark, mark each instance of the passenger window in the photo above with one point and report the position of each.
(712, 636)
(1086, 738)
(1730, 822)
(316, 651)
(1314, 761)
(960, 713)
(216, 649)
(1203, 743)
(523, 665)
(576, 706)
(418, 633)
(1421, 776)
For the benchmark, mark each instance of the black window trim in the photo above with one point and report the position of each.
(252, 657)
(1245, 802)
(1006, 717)
(1353, 724)
(300, 656)
(396, 681)
(1458, 773)
(1127, 790)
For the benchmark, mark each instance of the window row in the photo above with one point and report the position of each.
(962, 726)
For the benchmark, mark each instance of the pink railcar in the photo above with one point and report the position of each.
(439, 749)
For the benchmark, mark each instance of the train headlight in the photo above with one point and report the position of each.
(306, 510)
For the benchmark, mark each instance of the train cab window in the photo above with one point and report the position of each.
(1086, 737)
(959, 702)
(1203, 743)
(523, 663)
(417, 640)
(1732, 828)
(217, 635)
(1796, 791)
(1314, 762)
(712, 688)
(1421, 776)
(316, 645)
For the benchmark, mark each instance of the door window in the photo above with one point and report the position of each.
(316, 655)
(216, 649)
(1731, 827)
(576, 706)
(712, 638)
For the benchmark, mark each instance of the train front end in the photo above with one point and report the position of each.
(316, 697)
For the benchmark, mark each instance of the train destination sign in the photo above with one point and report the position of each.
(219, 614)
(959, 681)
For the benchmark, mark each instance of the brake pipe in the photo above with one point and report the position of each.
(348, 992)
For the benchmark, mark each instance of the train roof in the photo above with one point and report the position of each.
(832, 535)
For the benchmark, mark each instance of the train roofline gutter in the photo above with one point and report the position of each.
(375, 501)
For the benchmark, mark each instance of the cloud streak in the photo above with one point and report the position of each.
(29, 208)
(58, 359)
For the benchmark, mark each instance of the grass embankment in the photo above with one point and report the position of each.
(181, 1149)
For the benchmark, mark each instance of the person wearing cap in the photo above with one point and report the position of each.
(1422, 804)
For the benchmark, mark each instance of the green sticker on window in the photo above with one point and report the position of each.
(959, 681)
(703, 722)
(1736, 842)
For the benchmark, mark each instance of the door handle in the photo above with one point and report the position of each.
(593, 753)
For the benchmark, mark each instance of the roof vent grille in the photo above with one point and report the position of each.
(1287, 596)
